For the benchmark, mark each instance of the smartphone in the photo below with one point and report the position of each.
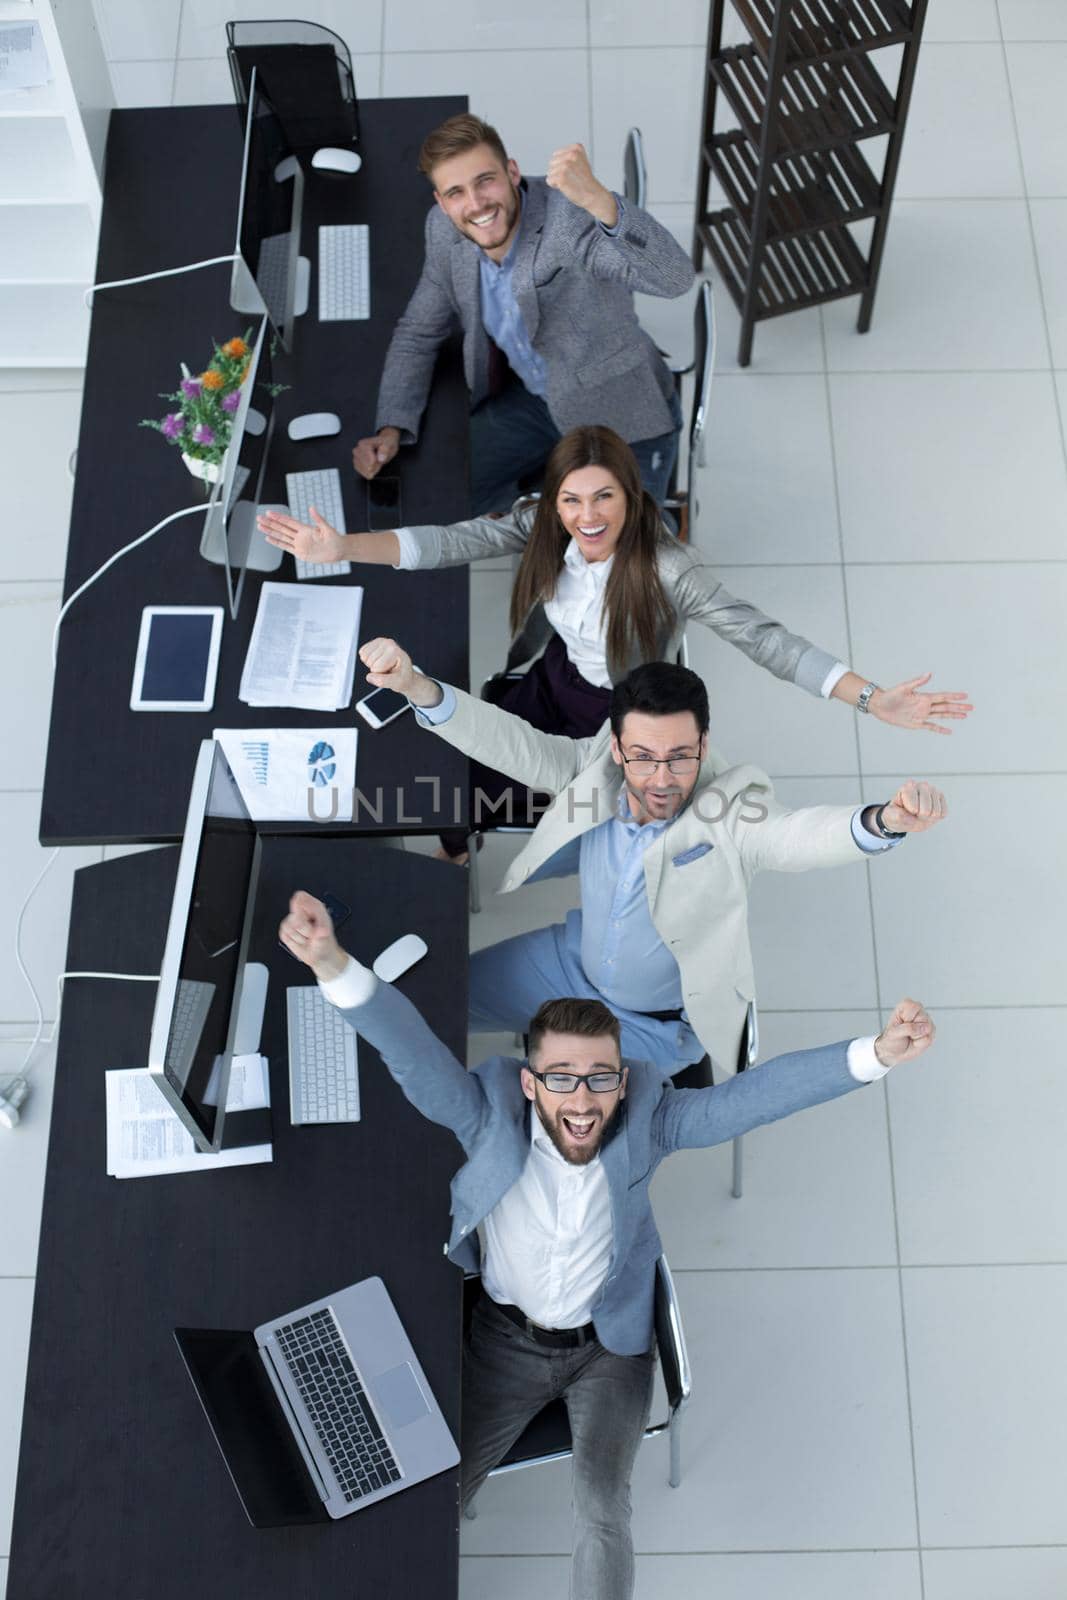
(382, 706)
(383, 503)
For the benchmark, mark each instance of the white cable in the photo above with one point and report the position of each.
(186, 511)
(18, 955)
(146, 277)
(126, 977)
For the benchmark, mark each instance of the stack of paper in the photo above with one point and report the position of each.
(303, 647)
(145, 1138)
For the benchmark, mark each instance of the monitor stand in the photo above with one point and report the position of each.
(248, 547)
(246, 298)
(249, 1127)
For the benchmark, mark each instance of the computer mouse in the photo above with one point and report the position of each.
(315, 425)
(332, 159)
(398, 957)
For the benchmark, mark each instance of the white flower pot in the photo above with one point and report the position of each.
(208, 471)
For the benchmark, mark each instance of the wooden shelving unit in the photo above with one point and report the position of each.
(805, 95)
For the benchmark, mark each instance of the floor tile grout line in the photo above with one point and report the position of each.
(177, 52)
(1033, 236)
(877, 1266)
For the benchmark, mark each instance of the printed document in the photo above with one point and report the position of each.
(303, 647)
(145, 1138)
(293, 774)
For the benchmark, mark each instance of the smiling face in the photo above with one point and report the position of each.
(481, 197)
(575, 1122)
(591, 505)
(675, 736)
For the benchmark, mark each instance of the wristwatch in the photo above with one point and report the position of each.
(864, 702)
(883, 831)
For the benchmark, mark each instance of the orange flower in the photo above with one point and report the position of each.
(211, 379)
(235, 348)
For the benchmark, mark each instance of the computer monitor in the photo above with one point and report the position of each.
(230, 537)
(209, 1003)
(271, 204)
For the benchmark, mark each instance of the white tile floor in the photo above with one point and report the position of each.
(877, 1327)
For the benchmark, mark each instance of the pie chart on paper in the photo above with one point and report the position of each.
(322, 765)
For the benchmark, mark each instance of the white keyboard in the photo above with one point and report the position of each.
(321, 489)
(344, 273)
(323, 1074)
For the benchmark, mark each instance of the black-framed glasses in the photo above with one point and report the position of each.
(647, 766)
(566, 1082)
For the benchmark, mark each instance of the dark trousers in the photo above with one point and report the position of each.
(507, 1378)
(512, 435)
(553, 697)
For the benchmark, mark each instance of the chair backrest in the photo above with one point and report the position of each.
(748, 1050)
(306, 72)
(670, 1338)
(634, 172)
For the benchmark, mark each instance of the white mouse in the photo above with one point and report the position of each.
(332, 159)
(398, 957)
(315, 425)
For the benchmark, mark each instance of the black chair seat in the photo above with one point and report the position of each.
(548, 1434)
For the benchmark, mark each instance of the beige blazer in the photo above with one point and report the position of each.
(698, 870)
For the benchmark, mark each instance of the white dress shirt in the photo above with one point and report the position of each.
(576, 612)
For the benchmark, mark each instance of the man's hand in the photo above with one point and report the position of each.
(308, 541)
(905, 706)
(307, 933)
(370, 455)
(906, 1035)
(389, 667)
(914, 808)
(569, 172)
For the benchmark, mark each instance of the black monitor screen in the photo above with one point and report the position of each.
(268, 230)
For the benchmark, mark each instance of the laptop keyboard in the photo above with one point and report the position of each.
(339, 1409)
(320, 488)
(323, 1069)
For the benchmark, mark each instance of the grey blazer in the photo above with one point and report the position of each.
(486, 1110)
(574, 285)
(692, 590)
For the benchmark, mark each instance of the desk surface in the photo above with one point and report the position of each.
(122, 1493)
(171, 197)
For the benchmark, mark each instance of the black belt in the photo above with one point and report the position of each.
(662, 1016)
(554, 1338)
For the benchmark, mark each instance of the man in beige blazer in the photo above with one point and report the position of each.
(665, 837)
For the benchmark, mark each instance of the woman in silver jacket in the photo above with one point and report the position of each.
(609, 586)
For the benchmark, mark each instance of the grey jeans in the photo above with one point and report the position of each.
(507, 1378)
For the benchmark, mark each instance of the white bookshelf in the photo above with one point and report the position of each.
(51, 161)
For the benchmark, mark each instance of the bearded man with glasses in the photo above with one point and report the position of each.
(665, 836)
(560, 1150)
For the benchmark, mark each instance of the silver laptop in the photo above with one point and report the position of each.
(321, 1412)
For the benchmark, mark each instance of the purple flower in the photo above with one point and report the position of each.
(191, 387)
(230, 402)
(202, 434)
(171, 426)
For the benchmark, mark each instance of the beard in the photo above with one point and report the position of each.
(578, 1155)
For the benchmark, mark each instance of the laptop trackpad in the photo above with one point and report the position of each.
(397, 1392)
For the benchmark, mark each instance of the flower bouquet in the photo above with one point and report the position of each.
(202, 419)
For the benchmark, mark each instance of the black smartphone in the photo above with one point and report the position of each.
(383, 503)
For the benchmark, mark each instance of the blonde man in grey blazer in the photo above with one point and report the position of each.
(539, 273)
(665, 838)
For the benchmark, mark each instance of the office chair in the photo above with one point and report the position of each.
(698, 1076)
(306, 72)
(634, 171)
(684, 502)
(548, 1436)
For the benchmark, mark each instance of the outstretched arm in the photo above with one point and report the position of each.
(689, 1118)
(426, 1070)
(636, 251)
(908, 704)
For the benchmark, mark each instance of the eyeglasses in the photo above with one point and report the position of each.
(677, 766)
(567, 1082)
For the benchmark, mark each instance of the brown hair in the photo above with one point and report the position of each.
(455, 136)
(635, 606)
(589, 1019)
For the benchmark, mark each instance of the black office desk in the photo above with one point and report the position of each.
(171, 197)
(122, 1493)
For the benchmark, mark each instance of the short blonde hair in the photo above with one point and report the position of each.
(455, 136)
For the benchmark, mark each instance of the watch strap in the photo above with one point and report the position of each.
(863, 704)
(886, 833)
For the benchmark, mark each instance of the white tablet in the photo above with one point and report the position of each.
(177, 658)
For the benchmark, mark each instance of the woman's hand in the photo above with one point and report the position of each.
(906, 707)
(308, 541)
